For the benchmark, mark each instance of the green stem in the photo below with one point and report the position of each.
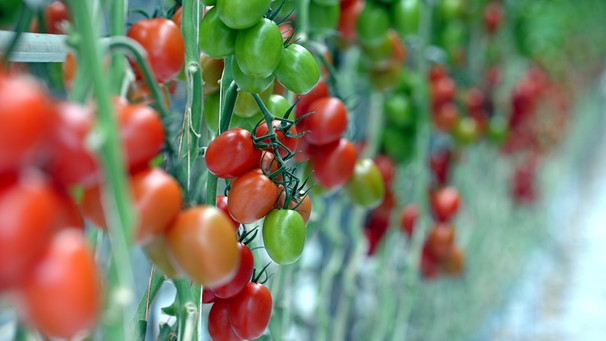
(303, 20)
(139, 322)
(188, 311)
(374, 124)
(117, 27)
(117, 201)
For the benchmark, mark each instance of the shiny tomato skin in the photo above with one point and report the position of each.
(365, 187)
(323, 19)
(208, 296)
(241, 14)
(334, 164)
(221, 204)
(284, 236)
(54, 14)
(216, 40)
(298, 70)
(30, 211)
(141, 134)
(348, 20)
(250, 311)
(247, 83)
(25, 115)
(219, 326)
(327, 123)
(162, 40)
(258, 49)
(405, 17)
(445, 203)
(157, 252)
(204, 245)
(232, 153)
(320, 90)
(242, 277)
(373, 24)
(252, 196)
(287, 141)
(62, 294)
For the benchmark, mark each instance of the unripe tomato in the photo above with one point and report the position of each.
(398, 110)
(373, 24)
(466, 130)
(247, 107)
(298, 70)
(217, 40)
(323, 19)
(277, 105)
(365, 187)
(247, 83)
(232, 153)
(252, 196)
(258, 49)
(62, 294)
(333, 164)
(405, 17)
(250, 311)
(211, 111)
(241, 14)
(163, 42)
(203, 242)
(284, 236)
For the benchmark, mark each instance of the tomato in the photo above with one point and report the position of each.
(219, 326)
(157, 252)
(445, 117)
(252, 196)
(298, 70)
(334, 164)
(439, 163)
(269, 165)
(232, 153)
(302, 205)
(328, 123)
(277, 105)
(204, 245)
(211, 111)
(497, 129)
(68, 70)
(398, 110)
(288, 140)
(212, 71)
(320, 90)
(385, 79)
(450, 9)
(241, 14)
(247, 107)
(373, 24)
(405, 17)
(208, 296)
(429, 265)
(221, 204)
(397, 144)
(141, 134)
(250, 311)
(62, 294)
(453, 264)
(323, 19)
(258, 49)
(440, 241)
(30, 210)
(242, 277)
(409, 216)
(54, 16)
(216, 39)
(442, 90)
(284, 236)
(162, 40)
(348, 20)
(379, 55)
(466, 130)
(387, 168)
(445, 203)
(365, 187)
(247, 83)
(302, 153)
(25, 115)
(71, 162)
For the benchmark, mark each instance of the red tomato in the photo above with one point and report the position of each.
(320, 90)
(29, 211)
(54, 16)
(252, 196)
(440, 241)
(348, 20)
(443, 90)
(440, 166)
(429, 265)
(71, 162)
(445, 116)
(204, 245)
(162, 40)
(493, 16)
(25, 116)
(208, 296)
(334, 164)
(286, 139)
(409, 216)
(242, 277)
(62, 295)
(221, 203)
(232, 153)
(437, 72)
(328, 123)
(445, 203)
(250, 310)
(219, 326)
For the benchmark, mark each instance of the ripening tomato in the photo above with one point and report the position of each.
(445, 203)
(162, 40)
(466, 130)
(286, 136)
(252, 196)
(365, 187)
(219, 326)
(298, 70)
(241, 14)
(378, 56)
(29, 211)
(212, 71)
(453, 264)
(232, 153)
(301, 204)
(204, 245)
(443, 90)
(445, 117)
(157, 252)
(386, 78)
(373, 24)
(54, 16)
(327, 123)
(62, 295)
(25, 115)
(440, 240)
(284, 236)
(333, 164)
(250, 311)
(68, 70)
(216, 39)
(242, 276)
(409, 216)
(258, 49)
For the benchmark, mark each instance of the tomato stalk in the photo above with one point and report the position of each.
(374, 124)
(117, 28)
(156, 279)
(117, 200)
(187, 314)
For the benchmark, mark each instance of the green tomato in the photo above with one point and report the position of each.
(211, 111)
(216, 39)
(405, 17)
(246, 105)
(241, 14)
(450, 9)
(247, 123)
(258, 50)
(466, 131)
(323, 19)
(386, 79)
(398, 110)
(497, 129)
(284, 236)
(398, 143)
(277, 105)
(298, 70)
(373, 24)
(365, 187)
(250, 84)
(378, 56)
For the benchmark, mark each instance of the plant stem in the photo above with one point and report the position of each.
(139, 321)
(187, 314)
(117, 27)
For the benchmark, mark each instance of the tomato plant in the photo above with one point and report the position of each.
(284, 235)
(286, 135)
(241, 14)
